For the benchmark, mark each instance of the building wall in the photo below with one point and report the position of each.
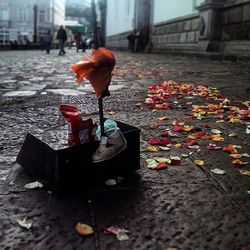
(165, 10)
(120, 16)
(17, 19)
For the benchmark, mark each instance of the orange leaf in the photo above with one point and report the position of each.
(230, 149)
(84, 229)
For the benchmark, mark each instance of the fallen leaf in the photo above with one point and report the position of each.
(84, 229)
(199, 162)
(239, 162)
(232, 135)
(248, 130)
(162, 118)
(154, 125)
(246, 155)
(184, 155)
(216, 131)
(162, 160)
(161, 165)
(213, 147)
(218, 171)
(33, 185)
(236, 156)
(111, 113)
(161, 142)
(110, 182)
(245, 172)
(121, 233)
(152, 149)
(24, 223)
(230, 149)
(164, 148)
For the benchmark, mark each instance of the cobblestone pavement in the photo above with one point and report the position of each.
(183, 207)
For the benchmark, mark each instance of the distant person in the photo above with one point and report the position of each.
(84, 44)
(47, 41)
(62, 38)
(77, 38)
(131, 41)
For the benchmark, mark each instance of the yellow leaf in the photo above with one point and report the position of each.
(111, 113)
(152, 149)
(84, 229)
(161, 118)
(178, 145)
(245, 172)
(199, 162)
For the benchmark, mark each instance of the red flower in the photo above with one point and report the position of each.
(98, 70)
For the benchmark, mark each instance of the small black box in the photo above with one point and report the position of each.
(72, 167)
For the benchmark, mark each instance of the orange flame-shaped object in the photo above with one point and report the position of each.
(98, 70)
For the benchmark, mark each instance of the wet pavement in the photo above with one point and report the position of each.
(182, 207)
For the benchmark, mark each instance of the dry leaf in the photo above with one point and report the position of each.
(84, 229)
(152, 149)
(164, 148)
(245, 172)
(24, 223)
(199, 162)
(33, 185)
(218, 171)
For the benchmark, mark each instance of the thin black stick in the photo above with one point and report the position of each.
(96, 44)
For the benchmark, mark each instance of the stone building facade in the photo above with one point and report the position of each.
(220, 26)
(20, 20)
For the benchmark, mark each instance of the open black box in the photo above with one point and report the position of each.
(72, 167)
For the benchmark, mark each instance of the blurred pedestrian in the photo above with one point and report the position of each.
(131, 41)
(83, 42)
(77, 38)
(62, 38)
(47, 41)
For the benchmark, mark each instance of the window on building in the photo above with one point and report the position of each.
(23, 15)
(42, 16)
(4, 13)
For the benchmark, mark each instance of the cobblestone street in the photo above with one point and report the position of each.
(181, 207)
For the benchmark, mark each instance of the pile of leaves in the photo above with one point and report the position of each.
(205, 109)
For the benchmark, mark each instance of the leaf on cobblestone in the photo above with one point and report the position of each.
(230, 149)
(152, 149)
(24, 223)
(161, 142)
(248, 130)
(175, 160)
(216, 131)
(162, 160)
(232, 135)
(199, 162)
(218, 171)
(33, 185)
(236, 156)
(239, 162)
(246, 155)
(162, 118)
(161, 165)
(84, 229)
(213, 147)
(245, 172)
(164, 148)
(154, 125)
(121, 233)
